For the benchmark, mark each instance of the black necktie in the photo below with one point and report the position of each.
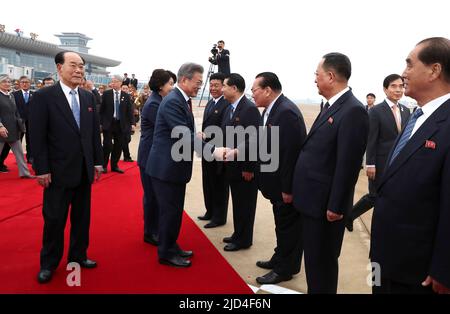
(325, 108)
(189, 102)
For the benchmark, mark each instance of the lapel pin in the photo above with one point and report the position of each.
(430, 144)
(90, 109)
(237, 119)
(269, 125)
(330, 120)
(216, 112)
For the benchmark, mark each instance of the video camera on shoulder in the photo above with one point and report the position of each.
(214, 50)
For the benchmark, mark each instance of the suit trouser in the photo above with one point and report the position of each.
(114, 133)
(57, 200)
(322, 241)
(151, 209)
(170, 198)
(365, 203)
(4, 154)
(16, 147)
(288, 253)
(215, 192)
(389, 286)
(244, 195)
(125, 145)
(27, 140)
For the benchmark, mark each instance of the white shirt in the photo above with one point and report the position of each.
(216, 100)
(428, 110)
(333, 99)
(26, 92)
(267, 113)
(186, 97)
(236, 103)
(391, 104)
(66, 90)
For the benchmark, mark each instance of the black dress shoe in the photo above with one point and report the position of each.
(272, 278)
(204, 217)
(265, 264)
(44, 276)
(176, 261)
(185, 254)
(151, 239)
(87, 263)
(212, 225)
(231, 247)
(128, 160)
(104, 170)
(117, 170)
(227, 239)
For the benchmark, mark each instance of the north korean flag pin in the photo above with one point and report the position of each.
(90, 109)
(430, 144)
(216, 111)
(237, 119)
(330, 120)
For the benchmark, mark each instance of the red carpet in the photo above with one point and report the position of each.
(126, 263)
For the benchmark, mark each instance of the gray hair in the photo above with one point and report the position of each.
(4, 77)
(117, 77)
(189, 69)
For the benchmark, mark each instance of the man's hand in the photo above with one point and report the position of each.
(437, 286)
(3, 132)
(231, 154)
(287, 198)
(371, 171)
(201, 136)
(98, 172)
(248, 176)
(220, 152)
(333, 216)
(44, 180)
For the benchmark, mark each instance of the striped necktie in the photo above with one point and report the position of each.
(406, 134)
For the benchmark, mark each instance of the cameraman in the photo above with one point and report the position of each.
(221, 57)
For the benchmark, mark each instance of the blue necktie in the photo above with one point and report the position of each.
(117, 105)
(231, 111)
(406, 134)
(75, 107)
(26, 97)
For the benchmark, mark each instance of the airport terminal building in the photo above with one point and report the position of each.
(34, 58)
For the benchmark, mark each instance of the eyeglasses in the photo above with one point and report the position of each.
(253, 90)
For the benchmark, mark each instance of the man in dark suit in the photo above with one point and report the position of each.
(117, 122)
(171, 166)
(126, 80)
(386, 121)
(215, 187)
(65, 135)
(370, 99)
(242, 116)
(23, 97)
(283, 133)
(222, 58)
(327, 170)
(134, 81)
(410, 240)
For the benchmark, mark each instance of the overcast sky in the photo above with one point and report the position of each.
(286, 37)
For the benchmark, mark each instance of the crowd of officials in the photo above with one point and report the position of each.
(311, 190)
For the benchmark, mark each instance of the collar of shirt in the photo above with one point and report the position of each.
(6, 94)
(391, 104)
(237, 102)
(66, 90)
(333, 99)
(216, 100)
(428, 110)
(271, 105)
(186, 97)
(25, 92)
